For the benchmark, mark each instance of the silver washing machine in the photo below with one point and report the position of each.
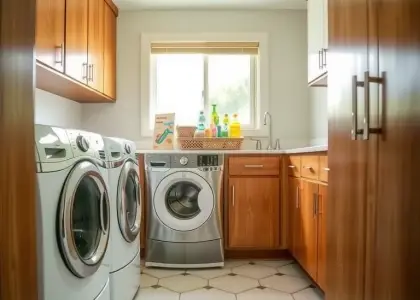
(184, 212)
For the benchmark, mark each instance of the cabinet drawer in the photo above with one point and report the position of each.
(323, 168)
(293, 167)
(310, 167)
(254, 166)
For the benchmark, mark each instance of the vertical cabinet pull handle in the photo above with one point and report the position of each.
(93, 72)
(297, 197)
(85, 71)
(320, 59)
(59, 54)
(314, 204)
(233, 195)
(366, 119)
(324, 57)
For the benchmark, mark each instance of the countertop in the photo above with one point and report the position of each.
(309, 149)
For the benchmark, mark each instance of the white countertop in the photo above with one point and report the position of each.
(309, 149)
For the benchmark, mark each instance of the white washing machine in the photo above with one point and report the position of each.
(73, 214)
(125, 201)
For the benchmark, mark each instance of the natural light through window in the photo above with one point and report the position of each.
(186, 83)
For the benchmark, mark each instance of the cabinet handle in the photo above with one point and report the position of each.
(254, 166)
(354, 85)
(93, 72)
(297, 197)
(324, 60)
(314, 201)
(320, 59)
(292, 167)
(59, 54)
(307, 167)
(326, 169)
(233, 195)
(85, 71)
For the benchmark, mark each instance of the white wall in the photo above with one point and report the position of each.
(288, 91)
(54, 110)
(318, 115)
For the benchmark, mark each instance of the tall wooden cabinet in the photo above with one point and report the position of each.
(374, 108)
(96, 47)
(50, 33)
(110, 52)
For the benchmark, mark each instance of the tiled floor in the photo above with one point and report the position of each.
(238, 280)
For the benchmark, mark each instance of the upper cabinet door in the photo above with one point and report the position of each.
(76, 60)
(50, 22)
(315, 38)
(96, 44)
(110, 52)
(254, 212)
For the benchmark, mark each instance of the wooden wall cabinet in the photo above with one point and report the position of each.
(83, 67)
(317, 41)
(50, 33)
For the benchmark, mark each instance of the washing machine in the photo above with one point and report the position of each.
(184, 215)
(73, 215)
(125, 201)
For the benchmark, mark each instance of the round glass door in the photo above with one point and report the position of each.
(182, 200)
(129, 201)
(83, 219)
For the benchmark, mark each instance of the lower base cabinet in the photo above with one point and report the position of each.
(307, 226)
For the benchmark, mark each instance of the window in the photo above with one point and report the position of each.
(189, 77)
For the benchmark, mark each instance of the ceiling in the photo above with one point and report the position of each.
(210, 4)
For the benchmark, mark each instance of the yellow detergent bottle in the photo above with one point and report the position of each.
(235, 127)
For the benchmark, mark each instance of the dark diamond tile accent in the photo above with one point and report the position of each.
(232, 274)
(251, 263)
(279, 274)
(208, 287)
(185, 274)
(261, 287)
(156, 286)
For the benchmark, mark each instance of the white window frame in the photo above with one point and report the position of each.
(259, 71)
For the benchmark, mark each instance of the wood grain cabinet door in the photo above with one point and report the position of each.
(76, 60)
(50, 34)
(110, 53)
(309, 256)
(96, 44)
(322, 240)
(254, 212)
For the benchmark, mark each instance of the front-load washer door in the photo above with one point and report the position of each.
(129, 201)
(83, 219)
(183, 201)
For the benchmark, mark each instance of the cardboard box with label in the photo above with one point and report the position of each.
(163, 137)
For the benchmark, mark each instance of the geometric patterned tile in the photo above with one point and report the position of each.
(156, 294)
(292, 270)
(254, 271)
(209, 273)
(235, 263)
(265, 294)
(233, 284)
(308, 294)
(182, 284)
(274, 263)
(286, 283)
(207, 294)
(147, 281)
(162, 273)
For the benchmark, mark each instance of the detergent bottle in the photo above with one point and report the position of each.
(235, 127)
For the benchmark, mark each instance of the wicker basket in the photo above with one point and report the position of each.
(210, 143)
(185, 131)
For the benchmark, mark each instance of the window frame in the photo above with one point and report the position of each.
(206, 105)
(262, 72)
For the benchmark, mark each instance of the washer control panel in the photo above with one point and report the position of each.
(204, 162)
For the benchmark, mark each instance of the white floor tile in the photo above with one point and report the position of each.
(254, 271)
(209, 273)
(156, 294)
(147, 281)
(233, 284)
(292, 270)
(205, 294)
(273, 263)
(285, 283)
(181, 283)
(162, 273)
(308, 294)
(266, 294)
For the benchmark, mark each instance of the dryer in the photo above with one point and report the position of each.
(73, 214)
(184, 215)
(125, 200)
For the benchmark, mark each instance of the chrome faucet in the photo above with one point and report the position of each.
(269, 129)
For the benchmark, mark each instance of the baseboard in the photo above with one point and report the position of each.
(258, 254)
